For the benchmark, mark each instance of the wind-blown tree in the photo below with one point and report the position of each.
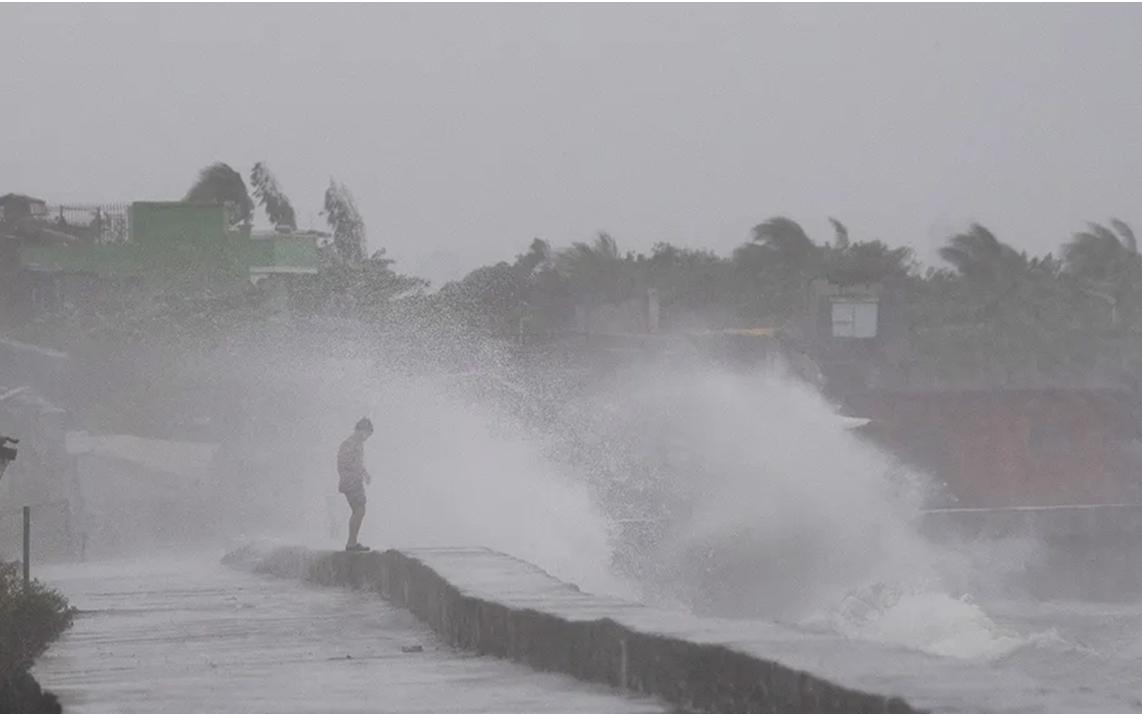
(1000, 308)
(841, 233)
(349, 283)
(981, 258)
(782, 258)
(772, 269)
(505, 298)
(694, 283)
(1106, 265)
(787, 242)
(869, 262)
(366, 288)
(375, 284)
(990, 271)
(345, 220)
(1001, 282)
(487, 298)
(549, 296)
(595, 270)
(537, 257)
(220, 184)
(1100, 254)
(273, 201)
(546, 299)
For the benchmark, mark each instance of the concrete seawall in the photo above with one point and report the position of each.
(493, 604)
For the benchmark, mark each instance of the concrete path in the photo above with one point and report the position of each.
(193, 636)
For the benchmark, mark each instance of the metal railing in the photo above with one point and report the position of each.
(106, 223)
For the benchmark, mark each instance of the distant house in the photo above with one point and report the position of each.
(81, 258)
(1037, 445)
(996, 436)
(14, 206)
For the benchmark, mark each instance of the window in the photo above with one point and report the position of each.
(854, 318)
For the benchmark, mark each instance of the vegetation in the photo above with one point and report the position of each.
(986, 305)
(218, 183)
(29, 622)
(271, 198)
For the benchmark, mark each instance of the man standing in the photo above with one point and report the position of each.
(353, 477)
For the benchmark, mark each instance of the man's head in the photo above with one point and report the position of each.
(364, 428)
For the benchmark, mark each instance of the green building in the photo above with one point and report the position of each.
(169, 245)
(67, 258)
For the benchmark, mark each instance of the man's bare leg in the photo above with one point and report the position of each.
(355, 519)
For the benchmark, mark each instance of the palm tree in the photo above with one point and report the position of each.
(1100, 254)
(538, 255)
(979, 257)
(1105, 263)
(787, 241)
(595, 269)
(868, 262)
(688, 279)
(995, 285)
(343, 217)
(267, 192)
(547, 296)
(220, 184)
(841, 233)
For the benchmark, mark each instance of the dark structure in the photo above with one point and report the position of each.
(7, 452)
(14, 206)
(1007, 438)
(1013, 447)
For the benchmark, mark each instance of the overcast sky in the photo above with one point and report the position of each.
(466, 130)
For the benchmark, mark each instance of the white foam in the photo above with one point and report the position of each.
(451, 472)
(927, 620)
(765, 482)
(447, 470)
(771, 490)
(784, 513)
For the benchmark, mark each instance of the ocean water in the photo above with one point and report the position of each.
(757, 502)
(766, 506)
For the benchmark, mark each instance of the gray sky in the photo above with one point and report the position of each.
(466, 130)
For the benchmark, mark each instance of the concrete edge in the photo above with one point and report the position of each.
(698, 677)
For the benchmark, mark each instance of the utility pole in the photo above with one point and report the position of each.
(27, 549)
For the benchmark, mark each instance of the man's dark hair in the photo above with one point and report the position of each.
(364, 424)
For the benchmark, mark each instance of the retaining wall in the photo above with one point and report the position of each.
(493, 604)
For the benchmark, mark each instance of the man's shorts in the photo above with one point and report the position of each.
(356, 497)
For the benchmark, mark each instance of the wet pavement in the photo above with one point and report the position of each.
(189, 635)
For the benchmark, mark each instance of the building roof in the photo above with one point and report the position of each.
(21, 198)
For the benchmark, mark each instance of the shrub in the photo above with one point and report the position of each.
(29, 621)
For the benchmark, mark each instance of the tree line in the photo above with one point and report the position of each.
(986, 302)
